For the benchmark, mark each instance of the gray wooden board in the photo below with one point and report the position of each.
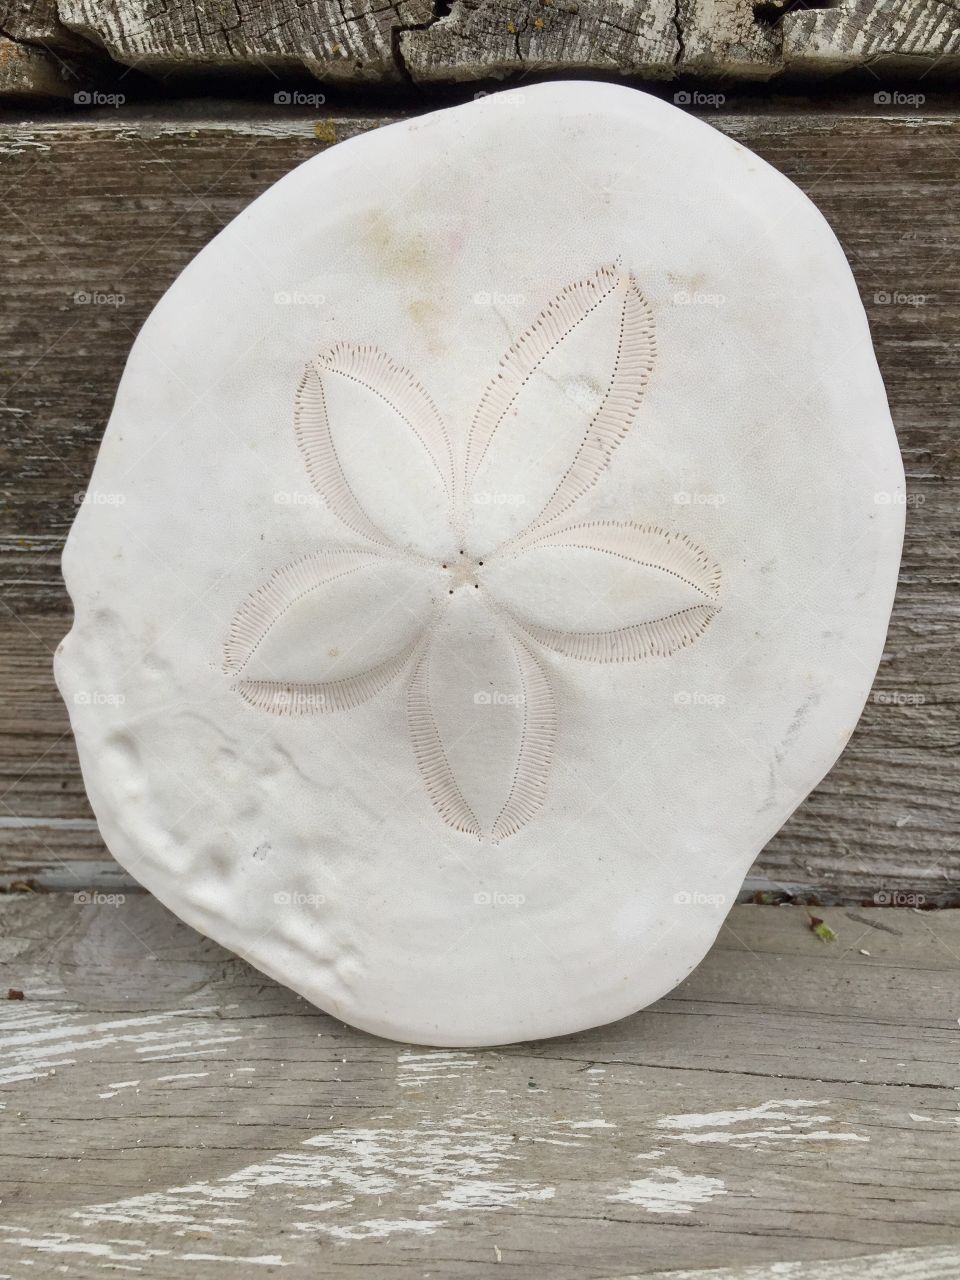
(98, 217)
(415, 42)
(895, 1264)
(168, 1110)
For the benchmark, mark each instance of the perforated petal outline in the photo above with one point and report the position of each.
(644, 544)
(442, 787)
(519, 363)
(315, 439)
(259, 614)
(631, 364)
(295, 698)
(648, 546)
(528, 789)
(368, 367)
(657, 638)
(285, 587)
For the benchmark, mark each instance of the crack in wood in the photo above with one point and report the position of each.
(419, 43)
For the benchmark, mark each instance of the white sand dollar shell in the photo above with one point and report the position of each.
(506, 522)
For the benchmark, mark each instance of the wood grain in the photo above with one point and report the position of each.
(37, 24)
(724, 40)
(145, 194)
(484, 39)
(170, 1110)
(905, 38)
(727, 38)
(896, 1264)
(338, 42)
(418, 42)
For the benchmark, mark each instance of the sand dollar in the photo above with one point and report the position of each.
(492, 543)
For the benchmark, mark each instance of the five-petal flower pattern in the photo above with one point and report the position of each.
(606, 415)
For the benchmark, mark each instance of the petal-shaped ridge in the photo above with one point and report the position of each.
(555, 323)
(646, 545)
(293, 698)
(281, 591)
(378, 373)
(442, 788)
(657, 638)
(631, 366)
(538, 739)
(315, 440)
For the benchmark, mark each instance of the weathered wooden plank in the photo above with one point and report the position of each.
(727, 38)
(145, 194)
(169, 1109)
(335, 41)
(476, 40)
(896, 1264)
(37, 23)
(484, 39)
(28, 72)
(888, 37)
(732, 40)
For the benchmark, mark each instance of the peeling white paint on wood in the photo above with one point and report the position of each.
(36, 1041)
(435, 1178)
(932, 1263)
(115, 1253)
(453, 1166)
(670, 1190)
(417, 1068)
(781, 1120)
(380, 1228)
(178, 1051)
